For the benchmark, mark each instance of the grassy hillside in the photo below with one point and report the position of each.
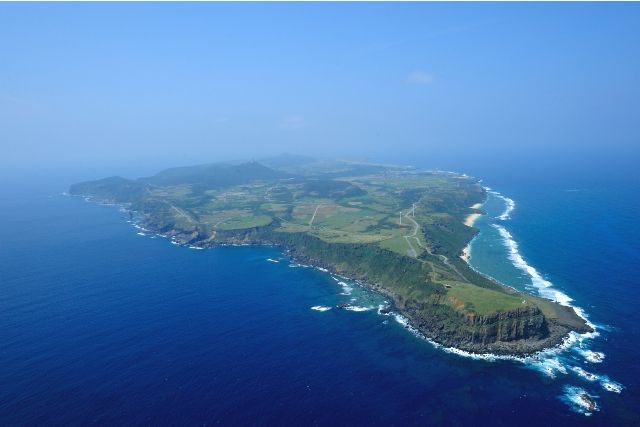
(394, 227)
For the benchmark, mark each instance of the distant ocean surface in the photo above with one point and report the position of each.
(102, 325)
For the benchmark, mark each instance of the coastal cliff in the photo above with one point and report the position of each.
(521, 331)
(394, 230)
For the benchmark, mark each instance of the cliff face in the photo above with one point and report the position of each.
(440, 294)
(472, 332)
(520, 331)
(522, 323)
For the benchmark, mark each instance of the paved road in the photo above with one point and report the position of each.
(412, 236)
(184, 214)
(314, 215)
(413, 253)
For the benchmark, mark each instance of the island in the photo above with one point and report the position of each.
(397, 230)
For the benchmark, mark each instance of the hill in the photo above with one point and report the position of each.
(397, 230)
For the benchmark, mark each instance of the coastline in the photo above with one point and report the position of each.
(516, 349)
(466, 252)
(469, 221)
(553, 358)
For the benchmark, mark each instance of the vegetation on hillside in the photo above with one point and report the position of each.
(399, 230)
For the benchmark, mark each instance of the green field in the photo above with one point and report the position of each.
(340, 203)
(483, 301)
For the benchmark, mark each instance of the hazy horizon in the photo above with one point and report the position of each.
(135, 88)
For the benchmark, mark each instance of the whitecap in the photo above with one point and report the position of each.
(296, 265)
(383, 309)
(545, 361)
(579, 400)
(346, 289)
(591, 356)
(611, 386)
(550, 366)
(357, 308)
(544, 287)
(140, 233)
(549, 361)
(320, 308)
(584, 374)
(272, 260)
(510, 206)
(401, 319)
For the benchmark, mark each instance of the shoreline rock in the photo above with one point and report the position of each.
(518, 333)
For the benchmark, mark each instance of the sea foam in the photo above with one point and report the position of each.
(584, 374)
(357, 308)
(611, 386)
(575, 397)
(346, 288)
(544, 287)
(510, 205)
(591, 356)
(552, 361)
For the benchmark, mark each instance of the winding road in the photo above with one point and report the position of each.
(414, 254)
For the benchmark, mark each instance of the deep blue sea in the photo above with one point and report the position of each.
(101, 325)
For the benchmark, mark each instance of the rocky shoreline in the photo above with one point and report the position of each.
(520, 333)
(517, 334)
(432, 330)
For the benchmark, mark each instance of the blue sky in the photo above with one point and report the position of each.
(152, 85)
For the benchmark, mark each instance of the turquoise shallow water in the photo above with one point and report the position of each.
(101, 325)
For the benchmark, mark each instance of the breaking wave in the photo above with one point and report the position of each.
(590, 355)
(510, 205)
(554, 362)
(560, 361)
(579, 400)
(357, 308)
(543, 286)
(346, 288)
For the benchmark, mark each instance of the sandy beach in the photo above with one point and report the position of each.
(465, 253)
(469, 221)
(474, 216)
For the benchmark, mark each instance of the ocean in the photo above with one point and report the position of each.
(101, 323)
